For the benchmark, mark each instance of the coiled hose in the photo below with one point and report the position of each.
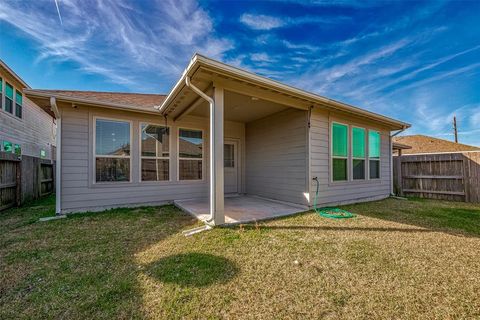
(328, 212)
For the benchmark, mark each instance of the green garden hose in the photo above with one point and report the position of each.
(328, 212)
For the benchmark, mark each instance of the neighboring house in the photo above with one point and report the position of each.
(260, 136)
(416, 144)
(25, 128)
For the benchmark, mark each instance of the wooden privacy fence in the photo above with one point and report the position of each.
(448, 176)
(24, 179)
(10, 183)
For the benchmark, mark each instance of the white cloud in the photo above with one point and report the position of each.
(261, 22)
(115, 39)
(261, 57)
(266, 22)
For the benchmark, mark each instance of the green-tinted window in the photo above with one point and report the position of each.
(374, 144)
(339, 169)
(358, 142)
(339, 140)
(7, 146)
(1, 85)
(18, 97)
(9, 90)
(43, 154)
(18, 149)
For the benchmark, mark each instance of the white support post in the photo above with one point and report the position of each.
(216, 157)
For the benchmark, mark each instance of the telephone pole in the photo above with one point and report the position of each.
(455, 128)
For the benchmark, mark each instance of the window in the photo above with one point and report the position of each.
(374, 154)
(229, 155)
(17, 149)
(358, 153)
(43, 154)
(7, 146)
(155, 153)
(190, 154)
(18, 103)
(8, 97)
(339, 151)
(112, 150)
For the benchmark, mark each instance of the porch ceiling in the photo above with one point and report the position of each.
(242, 108)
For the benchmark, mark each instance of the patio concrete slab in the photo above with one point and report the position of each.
(241, 209)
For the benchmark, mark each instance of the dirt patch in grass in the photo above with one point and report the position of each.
(396, 259)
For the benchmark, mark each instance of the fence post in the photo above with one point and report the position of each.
(397, 165)
(18, 181)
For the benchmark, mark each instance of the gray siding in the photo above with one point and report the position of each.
(334, 193)
(276, 156)
(80, 193)
(34, 131)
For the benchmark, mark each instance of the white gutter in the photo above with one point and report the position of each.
(58, 166)
(391, 156)
(212, 146)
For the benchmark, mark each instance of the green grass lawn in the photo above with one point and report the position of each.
(396, 259)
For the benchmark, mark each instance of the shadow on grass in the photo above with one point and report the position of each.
(81, 267)
(327, 228)
(193, 269)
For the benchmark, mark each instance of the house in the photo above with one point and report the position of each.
(220, 131)
(415, 144)
(25, 128)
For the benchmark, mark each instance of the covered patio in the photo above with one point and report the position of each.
(256, 143)
(240, 209)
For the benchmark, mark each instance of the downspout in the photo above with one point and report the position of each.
(391, 157)
(212, 153)
(58, 166)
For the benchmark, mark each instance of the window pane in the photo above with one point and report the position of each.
(374, 144)
(358, 142)
(8, 105)
(18, 97)
(339, 169)
(18, 149)
(112, 169)
(190, 143)
(18, 110)
(9, 90)
(7, 146)
(228, 156)
(339, 139)
(1, 85)
(155, 141)
(358, 169)
(155, 170)
(374, 169)
(112, 138)
(190, 169)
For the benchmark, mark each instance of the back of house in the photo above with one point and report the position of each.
(220, 132)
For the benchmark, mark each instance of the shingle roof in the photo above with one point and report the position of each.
(426, 144)
(141, 101)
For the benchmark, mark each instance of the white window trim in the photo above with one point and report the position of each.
(337, 157)
(379, 158)
(193, 159)
(358, 158)
(169, 158)
(95, 118)
(2, 80)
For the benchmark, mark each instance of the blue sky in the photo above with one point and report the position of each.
(415, 61)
